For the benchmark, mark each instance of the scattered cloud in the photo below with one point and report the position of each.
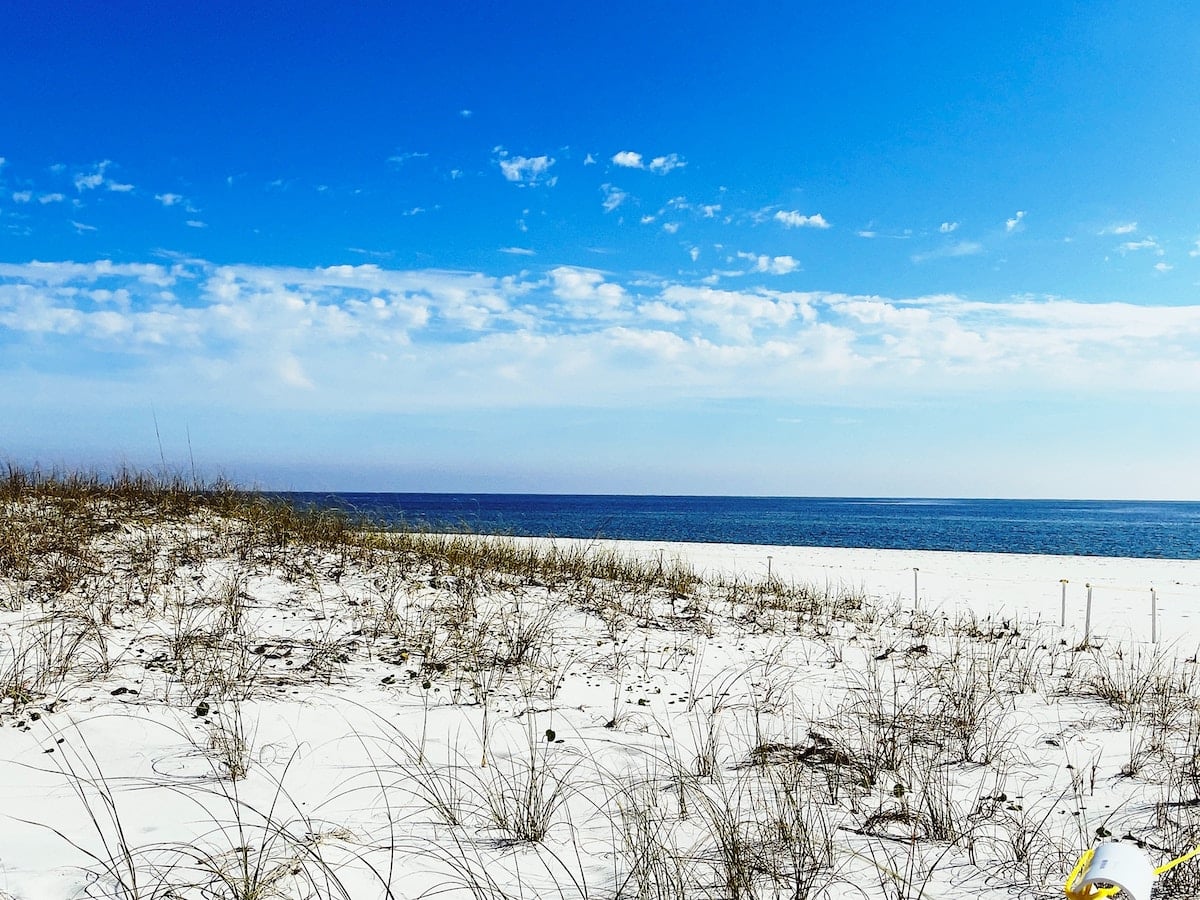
(518, 251)
(794, 219)
(1195, 251)
(948, 227)
(1163, 267)
(773, 265)
(1011, 225)
(950, 251)
(196, 223)
(627, 159)
(526, 170)
(88, 181)
(866, 233)
(671, 227)
(465, 113)
(710, 211)
(568, 335)
(22, 196)
(661, 165)
(694, 253)
(399, 159)
(613, 197)
(1120, 228)
(169, 199)
(51, 198)
(589, 160)
(647, 219)
(80, 227)
(1147, 243)
(119, 187)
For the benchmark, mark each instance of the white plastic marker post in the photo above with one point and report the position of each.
(915, 571)
(1064, 602)
(769, 568)
(1087, 616)
(1153, 616)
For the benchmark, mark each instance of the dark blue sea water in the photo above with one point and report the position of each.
(1075, 527)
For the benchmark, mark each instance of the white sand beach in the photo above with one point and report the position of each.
(207, 712)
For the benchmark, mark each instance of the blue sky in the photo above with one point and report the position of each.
(814, 249)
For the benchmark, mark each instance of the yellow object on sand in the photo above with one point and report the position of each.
(1116, 869)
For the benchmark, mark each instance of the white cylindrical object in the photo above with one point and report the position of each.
(1087, 616)
(1063, 623)
(1153, 616)
(915, 571)
(1121, 865)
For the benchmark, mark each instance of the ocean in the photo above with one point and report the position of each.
(1065, 527)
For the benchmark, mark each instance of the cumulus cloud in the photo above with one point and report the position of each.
(88, 181)
(613, 197)
(795, 219)
(51, 198)
(517, 251)
(661, 165)
(627, 159)
(1163, 267)
(671, 227)
(1011, 225)
(1147, 243)
(1195, 251)
(169, 199)
(1120, 228)
(196, 223)
(589, 160)
(22, 196)
(391, 340)
(774, 265)
(948, 227)
(119, 187)
(526, 170)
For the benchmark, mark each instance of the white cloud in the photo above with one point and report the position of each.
(517, 251)
(950, 251)
(399, 159)
(119, 187)
(1011, 225)
(51, 198)
(587, 287)
(867, 234)
(526, 170)
(589, 160)
(169, 199)
(87, 181)
(794, 219)
(948, 227)
(647, 219)
(196, 223)
(613, 197)
(774, 265)
(694, 253)
(465, 113)
(80, 227)
(1120, 228)
(22, 196)
(628, 159)
(671, 227)
(664, 164)
(1195, 251)
(1147, 243)
(383, 340)
(710, 211)
(1163, 267)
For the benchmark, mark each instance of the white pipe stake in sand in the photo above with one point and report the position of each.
(1087, 616)
(915, 571)
(1063, 623)
(768, 568)
(1153, 616)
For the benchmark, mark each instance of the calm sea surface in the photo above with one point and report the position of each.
(1084, 528)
